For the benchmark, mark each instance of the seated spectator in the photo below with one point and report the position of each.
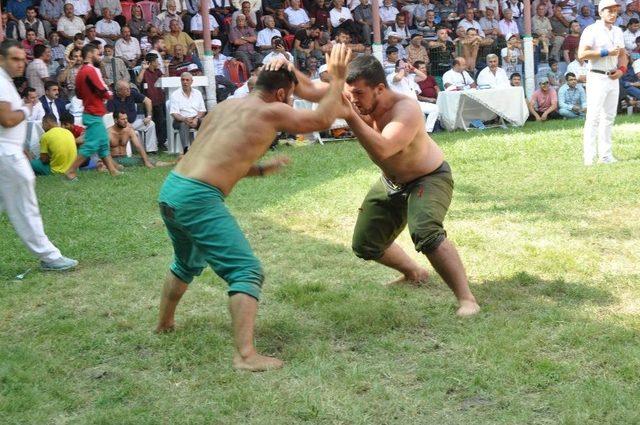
(37, 72)
(57, 149)
(571, 41)
(137, 23)
(631, 80)
(50, 11)
(113, 68)
(305, 44)
(493, 76)
(572, 101)
(341, 18)
(441, 52)
(67, 121)
(311, 69)
(78, 43)
(416, 51)
(626, 15)
(69, 25)
(187, 109)
(176, 36)
(91, 35)
(296, 16)
(547, 7)
(67, 77)
(149, 74)
(389, 63)
(52, 103)
(196, 26)
(585, 18)
(128, 48)
(31, 22)
(114, 7)
(512, 55)
(404, 80)
(483, 5)
(224, 86)
(163, 20)
(429, 86)
(29, 43)
(445, 8)
(489, 24)
(265, 35)
(401, 29)
(179, 4)
(470, 22)
(278, 51)
(244, 38)
(343, 37)
(541, 27)
(34, 106)
(631, 33)
(457, 78)
(120, 135)
(420, 12)
(10, 26)
(469, 45)
(57, 50)
(182, 62)
(363, 16)
(560, 27)
(579, 68)
(282, 24)
(556, 80)
(393, 40)
(127, 100)
(543, 103)
(82, 9)
(428, 28)
(515, 80)
(388, 14)
(508, 25)
(107, 28)
(245, 9)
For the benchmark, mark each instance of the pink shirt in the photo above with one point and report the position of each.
(542, 101)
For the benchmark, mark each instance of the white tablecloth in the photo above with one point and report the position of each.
(459, 108)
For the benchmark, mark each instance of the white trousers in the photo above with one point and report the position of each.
(147, 134)
(431, 111)
(602, 105)
(18, 199)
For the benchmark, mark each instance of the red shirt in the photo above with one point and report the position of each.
(154, 93)
(571, 43)
(91, 88)
(77, 131)
(427, 87)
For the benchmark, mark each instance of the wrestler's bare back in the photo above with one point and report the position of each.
(230, 140)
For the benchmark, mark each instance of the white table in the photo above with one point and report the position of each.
(459, 108)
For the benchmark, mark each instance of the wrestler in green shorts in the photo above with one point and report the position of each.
(96, 139)
(388, 208)
(204, 232)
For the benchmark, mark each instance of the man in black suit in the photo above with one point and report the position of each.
(51, 101)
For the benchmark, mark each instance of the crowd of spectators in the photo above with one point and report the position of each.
(428, 46)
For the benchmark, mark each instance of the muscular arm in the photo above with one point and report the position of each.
(395, 136)
(309, 90)
(133, 137)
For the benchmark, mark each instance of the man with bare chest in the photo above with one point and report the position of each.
(415, 188)
(120, 134)
(231, 139)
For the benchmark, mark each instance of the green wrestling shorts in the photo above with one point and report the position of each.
(96, 139)
(130, 161)
(203, 232)
(388, 207)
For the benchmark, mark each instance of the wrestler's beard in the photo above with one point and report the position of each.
(120, 126)
(374, 105)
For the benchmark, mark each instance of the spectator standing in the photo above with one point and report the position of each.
(149, 74)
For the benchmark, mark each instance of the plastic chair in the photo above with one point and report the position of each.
(234, 68)
(126, 9)
(149, 10)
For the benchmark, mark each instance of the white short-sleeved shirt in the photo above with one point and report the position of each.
(11, 139)
(80, 7)
(388, 14)
(218, 63)
(296, 17)
(406, 86)
(196, 23)
(265, 35)
(188, 107)
(275, 55)
(497, 81)
(70, 26)
(128, 51)
(597, 36)
(108, 28)
(335, 16)
(458, 79)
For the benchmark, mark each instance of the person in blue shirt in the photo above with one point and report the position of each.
(572, 101)
(18, 8)
(631, 80)
(585, 18)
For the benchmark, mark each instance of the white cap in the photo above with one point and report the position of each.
(216, 42)
(323, 68)
(606, 3)
(636, 66)
(393, 34)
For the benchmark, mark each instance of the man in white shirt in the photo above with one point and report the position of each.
(580, 68)
(602, 44)
(388, 13)
(404, 81)
(106, 27)
(69, 24)
(630, 34)
(81, 8)
(278, 52)
(187, 109)
(493, 76)
(457, 78)
(197, 28)
(17, 181)
(470, 22)
(38, 69)
(508, 25)
(128, 48)
(266, 34)
(296, 16)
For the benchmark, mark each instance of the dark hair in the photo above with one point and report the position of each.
(50, 84)
(418, 63)
(155, 39)
(456, 62)
(31, 8)
(367, 68)
(79, 35)
(515, 74)
(88, 49)
(39, 50)
(633, 21)
(28, 90)
(471, 29)
(120, 112)
(150, 57)
(66, 118)
(50, 118)
(30, 30)
(552, 62)
(638, 39)
(96, 43)
(75, 49)
(392, 49)
(341, 31)
(270, 81)
(569, 74)
(8, 44)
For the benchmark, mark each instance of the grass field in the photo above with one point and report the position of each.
(551, 247)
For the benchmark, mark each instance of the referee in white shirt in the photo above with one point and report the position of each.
(602, 43)
(17, 181)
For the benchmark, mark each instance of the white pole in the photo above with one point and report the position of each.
(207, 60)
(529, 82)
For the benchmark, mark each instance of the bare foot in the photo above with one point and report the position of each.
(468, 308)
(256, 363)
(419, 278)
(162, 328)
(116, 173)
(71, 175)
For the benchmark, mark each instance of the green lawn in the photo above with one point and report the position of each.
(551, 247)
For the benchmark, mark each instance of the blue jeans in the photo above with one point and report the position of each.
(568, 113)
(631, 91)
